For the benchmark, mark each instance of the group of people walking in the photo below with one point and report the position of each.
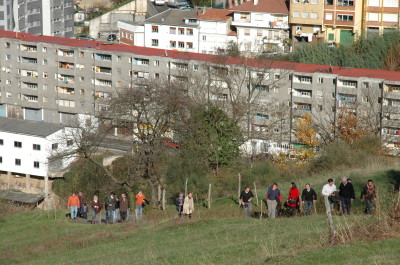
(345, 195)
(113, 206)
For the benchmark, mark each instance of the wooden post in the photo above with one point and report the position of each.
(186, 187)
(332, 231)
(163, 199)
(9, 179)
(261, 209)
(209, 196)
(46, 192)
(27, 182)
(255, 191)
(300, 200)
(159, 193)
(239, 190)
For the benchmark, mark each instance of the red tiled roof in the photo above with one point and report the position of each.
(232, 33)
(265, 6)
(216, 59)
(214, 14)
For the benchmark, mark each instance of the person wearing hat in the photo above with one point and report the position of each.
(329, 190)
(179, 203)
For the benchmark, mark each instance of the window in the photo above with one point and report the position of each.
(277, 76)
(328, 16)
(373, 16)
(345, 2)
(189, 45)
(1, 159)
(70, 142)
(390, 3)
(331, 37)
(156, 75)
(204, 38)
(314, 2)
(172, 30)
(17, 162)
(329, 2)
(154, 29)
(181, 31)
(247, 32)
(8, 57)
(319, 94)
(181, 44)
(296, 14)
(36, 164)
(17, 144)
(36, 147)
(156, 63)
(259, 32)
(154, 42)
(345, 17)
(299, 28)
(196, 67)
(189, 32)
(54, 146)
(172, 44)
(45, 75)
(373, 3)
(7, 44)
(44, 61)
(320, 80)
(390, 17)
(304, 15)
(314, 15)
(1, 142)
(348, 83)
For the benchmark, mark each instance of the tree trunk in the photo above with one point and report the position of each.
(154, 190)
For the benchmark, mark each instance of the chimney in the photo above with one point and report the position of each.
(203, 11)
(255, 2)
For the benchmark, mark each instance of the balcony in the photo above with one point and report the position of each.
(103, 82)
(28, 48)
(66, 90)
(28, 60)
(30, 98)
(65, 53)
(103, 70)
(102, 57)
(67, 79)
(31, 86)
(29, 73)
(66, 65)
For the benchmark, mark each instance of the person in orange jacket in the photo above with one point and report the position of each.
(293, 198)
(73, 204)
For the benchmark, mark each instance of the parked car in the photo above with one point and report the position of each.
(186, 7)
(112, 37)
(84, 37)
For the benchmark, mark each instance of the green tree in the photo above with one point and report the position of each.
(211, 135)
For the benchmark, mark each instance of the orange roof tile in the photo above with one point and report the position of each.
(214, 14)
(264, 6)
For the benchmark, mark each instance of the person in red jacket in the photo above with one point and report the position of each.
(293, 198)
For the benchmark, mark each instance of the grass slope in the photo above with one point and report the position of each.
(216, 236)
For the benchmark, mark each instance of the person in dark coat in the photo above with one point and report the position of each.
(82, 203)
(110, 206)
(245, 201)
(347, 195)
(124, 206)
(96, 208)
(308, 197)
(368, 194)
(179, 203)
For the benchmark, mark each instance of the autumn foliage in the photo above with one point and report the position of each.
(349, 128)
(305, 132)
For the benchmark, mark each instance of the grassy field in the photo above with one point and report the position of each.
(216, 236)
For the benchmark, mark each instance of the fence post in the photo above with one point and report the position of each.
(209, 196)
(239, 190)
(186, 187)
(332, 231)
(163, 199)
(261, 210)
(255, 191)
(159, 194)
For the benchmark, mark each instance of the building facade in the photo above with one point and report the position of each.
(53, 79)
(40, 17)
(380, 16)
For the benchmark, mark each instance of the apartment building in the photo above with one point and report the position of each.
(380, 16)
(40, 17)
(53, 79)
(306, 20)
(262, 25)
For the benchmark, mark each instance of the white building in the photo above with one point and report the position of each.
(172, 30)
(25, 147)
(215, 30)
(262, 25)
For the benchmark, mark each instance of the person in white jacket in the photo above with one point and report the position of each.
(328, 190)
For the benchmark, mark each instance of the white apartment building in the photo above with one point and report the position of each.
(215, 30)
(25, 147)
(261, 25)
(172, 30)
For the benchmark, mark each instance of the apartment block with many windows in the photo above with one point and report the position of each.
(53, 79)
(380, 16)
